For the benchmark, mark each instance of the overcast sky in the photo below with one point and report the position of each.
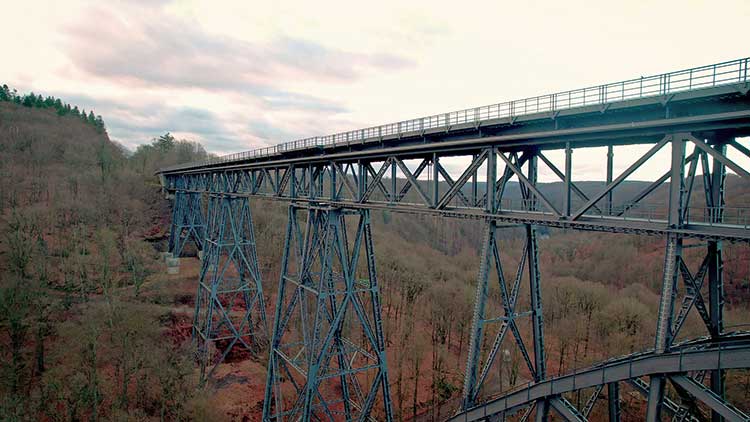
(241, 75)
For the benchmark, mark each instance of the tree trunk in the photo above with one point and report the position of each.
(39, 350)
(416, 387)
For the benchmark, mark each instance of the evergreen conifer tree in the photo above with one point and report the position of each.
(29, 100)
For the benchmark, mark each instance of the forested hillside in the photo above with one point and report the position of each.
(92, 327)
(80, 225)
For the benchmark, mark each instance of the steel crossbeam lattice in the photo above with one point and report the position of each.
(327, 359)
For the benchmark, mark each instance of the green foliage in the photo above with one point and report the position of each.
(25, 310)
(29, 100)
(20, 237)
(32, 100)
(165, 151)
(164, 143)
(445, 389)
(14, 305)
(138, 256)
(5, 94)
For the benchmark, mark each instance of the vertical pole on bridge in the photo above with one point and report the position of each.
(533, 176)
(715, 191)
(491, 204)
(394, 182)
(474, 185)
(334, 185)
(187, 222)
(435, 188)
(327, 357)
(613, 398)
(610, 165)
(361, 180)
(229, 306)
(471, 374)
(471, 387)
(537, 317)
(568, 181)
(672, 256)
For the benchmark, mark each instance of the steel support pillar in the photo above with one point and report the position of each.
(672, 256)
(533, 175)
(473, 362)
(613, 401)
(187, 222)
(478, 365)
(229, 307)
(537, 317)
(435, 188)
(327, 356)
(610, 165)
(716, 268)
(567, 181)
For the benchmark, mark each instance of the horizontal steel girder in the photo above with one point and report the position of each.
(607, 224)
(356, 184)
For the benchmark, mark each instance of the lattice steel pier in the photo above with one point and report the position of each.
(230, 307)
(327, 356)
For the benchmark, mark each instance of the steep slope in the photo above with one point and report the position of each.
(78, 339)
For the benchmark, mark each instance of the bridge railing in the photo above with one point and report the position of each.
(735, 71)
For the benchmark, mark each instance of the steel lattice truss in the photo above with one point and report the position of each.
(422, 184)
(487, 169)
(327, 359)
(187, 222)
(229, 308)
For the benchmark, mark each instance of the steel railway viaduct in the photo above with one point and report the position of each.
(327, 356)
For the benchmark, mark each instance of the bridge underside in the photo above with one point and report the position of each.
(488, 170)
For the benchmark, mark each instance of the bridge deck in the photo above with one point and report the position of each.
(695, 84)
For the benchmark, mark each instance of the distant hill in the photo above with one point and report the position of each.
(554, 190)
(67, 182)
(70, 154)
(77, 246)
(61, 108)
